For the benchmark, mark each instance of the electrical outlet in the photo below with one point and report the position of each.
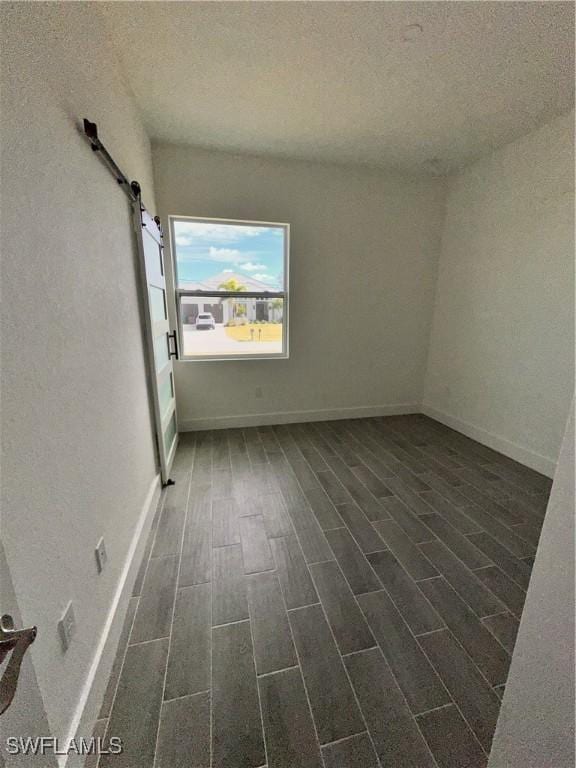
(67, 626)
(101, 555)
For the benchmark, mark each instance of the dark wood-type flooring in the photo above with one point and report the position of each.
(328, 595)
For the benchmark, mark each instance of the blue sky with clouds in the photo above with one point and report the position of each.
(206, 248)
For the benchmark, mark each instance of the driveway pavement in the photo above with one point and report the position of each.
(217, 342)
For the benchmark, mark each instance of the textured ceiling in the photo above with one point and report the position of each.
(351, 82)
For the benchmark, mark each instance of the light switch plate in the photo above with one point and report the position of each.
(67, 626)
(101, 555)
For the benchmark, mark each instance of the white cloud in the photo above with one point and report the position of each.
(251, 267)
(190, 232)
(264, 278)
(225, 254)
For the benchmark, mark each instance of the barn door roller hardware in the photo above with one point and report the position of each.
(17, 641)
(132, 188)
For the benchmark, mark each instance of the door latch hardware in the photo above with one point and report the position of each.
(17, 641)
(175, 340)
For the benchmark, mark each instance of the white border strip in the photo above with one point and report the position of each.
(293, 417)
(90, 696)
(543, 464)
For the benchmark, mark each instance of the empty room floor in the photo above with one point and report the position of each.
(341, 594)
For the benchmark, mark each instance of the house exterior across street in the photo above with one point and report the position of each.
(232, 309)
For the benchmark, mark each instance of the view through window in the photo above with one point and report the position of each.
(231, 280)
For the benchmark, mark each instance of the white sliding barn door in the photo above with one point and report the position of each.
(162, 345)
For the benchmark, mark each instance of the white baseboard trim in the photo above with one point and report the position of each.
(294, 417)
(94, 687)
(543, 464)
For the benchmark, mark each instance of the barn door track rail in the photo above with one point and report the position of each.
(131, 188)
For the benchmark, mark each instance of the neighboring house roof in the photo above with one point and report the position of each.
(214, 283)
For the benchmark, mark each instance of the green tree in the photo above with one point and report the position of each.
(277, 305)
(233, 285)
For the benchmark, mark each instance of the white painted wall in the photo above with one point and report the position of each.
(536, 723)
(501, 363)
(77, 458)
(364, 252)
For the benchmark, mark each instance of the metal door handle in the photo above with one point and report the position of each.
(175, 339)
(17, 641)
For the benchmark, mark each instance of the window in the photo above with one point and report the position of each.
(231, 288)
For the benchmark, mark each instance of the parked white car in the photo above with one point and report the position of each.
(205, 322)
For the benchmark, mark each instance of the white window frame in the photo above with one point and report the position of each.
(283, 294)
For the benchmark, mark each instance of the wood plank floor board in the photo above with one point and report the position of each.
(347, 621)
(407, 478)
(196, 564)
(530, 532)
(256, 551)
(415, 676)
(353, 752)
(136, 710)
(405, 550)
(487, 653)
(371, 481)
(229, 601)
(522, 478)
(333, 488)
(508, 536)
(489, 486)
(237, 738)
(313, 458)
(290, 736)
(473, 695)
(277, 521)
(460, 545)
(323, 509)
(354, 565)
(98, 732)
(449, 492)
(412, 526)
(119, 658)
(305, 476)
(457, 517)
(225, 529)
(293, 573)
(273, 645)
(334, 707)
(314, 544)
(168, 539)
(501, 512)
(413, 500)
(407, 597)
(227, 562)
(504, 627)
(512, 566)
(154, 612)
(364, 532)
(184, 735)
(507, 591)
(189, 660)
(264, 480)
(396, 737)
(464, 581)
(367, 502)
(301, 516)
(222, 483)
(199, 504)
(450, 739)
